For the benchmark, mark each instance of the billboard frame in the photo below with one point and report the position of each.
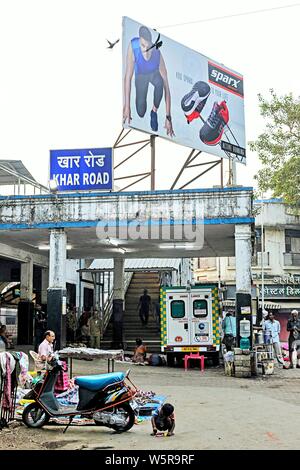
(150, 141)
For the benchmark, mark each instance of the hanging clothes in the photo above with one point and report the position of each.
(7, 366)
(6, 400)
(22, 360)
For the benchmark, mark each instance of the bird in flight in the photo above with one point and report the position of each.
(112, 44)
(157, 44)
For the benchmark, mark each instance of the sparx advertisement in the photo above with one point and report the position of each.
(177, 93)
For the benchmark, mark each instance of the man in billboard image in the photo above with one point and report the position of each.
(148, 66)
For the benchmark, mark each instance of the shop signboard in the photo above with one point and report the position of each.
(280, 291)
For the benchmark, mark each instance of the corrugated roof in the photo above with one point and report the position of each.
(139, 263)
(16, 166)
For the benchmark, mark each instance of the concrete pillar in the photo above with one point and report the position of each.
(119, 278)
(243, 253)
(45, 281)
(57, 259)
(25, 306)
(26, 288)
(56, 297)
(118, 304)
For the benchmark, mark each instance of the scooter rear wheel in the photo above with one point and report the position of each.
(128, 416)
(34, 416)
(128, 413)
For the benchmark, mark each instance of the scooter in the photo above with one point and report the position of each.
(104, 398)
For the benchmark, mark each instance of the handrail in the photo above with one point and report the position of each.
(107, 308)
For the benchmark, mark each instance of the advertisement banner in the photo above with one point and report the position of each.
(82, 170)
(177, 93)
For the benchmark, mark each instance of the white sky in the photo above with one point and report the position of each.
(61, 87)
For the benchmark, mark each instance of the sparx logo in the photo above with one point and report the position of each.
(225, 79)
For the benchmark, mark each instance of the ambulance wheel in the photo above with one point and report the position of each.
(215, 360)
(170, 360)
(179, 360)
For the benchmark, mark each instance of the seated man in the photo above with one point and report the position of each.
(140, 352)
(45, 350)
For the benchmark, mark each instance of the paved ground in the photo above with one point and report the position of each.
(212, 412)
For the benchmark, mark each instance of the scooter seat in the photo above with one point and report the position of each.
(96, 382)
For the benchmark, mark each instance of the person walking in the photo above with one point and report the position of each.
(143, 307)
(95, 330)
(271, 328)
(71, 324)
(293, 327)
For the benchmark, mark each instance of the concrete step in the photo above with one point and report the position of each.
(138, 292)
(144, 285)
(152, 347)
(132, 324)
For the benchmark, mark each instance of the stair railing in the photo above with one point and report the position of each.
(108, 305)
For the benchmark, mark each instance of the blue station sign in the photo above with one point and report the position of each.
(82, 170)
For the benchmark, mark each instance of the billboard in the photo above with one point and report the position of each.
(82, 170)
(177, 93)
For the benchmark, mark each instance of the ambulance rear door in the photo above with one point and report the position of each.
(200, 321)
(177, 304)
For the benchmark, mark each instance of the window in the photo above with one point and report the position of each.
(200, 308)
(177, 309)
(292, 241)
(258, 240)
(206, 263)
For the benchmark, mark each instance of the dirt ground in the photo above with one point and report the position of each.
(212, 412)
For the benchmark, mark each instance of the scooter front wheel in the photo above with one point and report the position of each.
(34, 416)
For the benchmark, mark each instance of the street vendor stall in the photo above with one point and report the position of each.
(90, 354)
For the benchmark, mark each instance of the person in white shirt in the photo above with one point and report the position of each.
(271, 329)
(46, 347)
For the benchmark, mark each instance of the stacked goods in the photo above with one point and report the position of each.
(229, 363)
(242, 362)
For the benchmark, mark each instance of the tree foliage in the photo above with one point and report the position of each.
(278, 148)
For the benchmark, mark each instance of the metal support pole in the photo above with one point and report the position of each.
(230, 172)
(222, 173)
(152, 145)
(234, 172)
(262, 238)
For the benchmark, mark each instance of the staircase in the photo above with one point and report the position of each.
(132, 323)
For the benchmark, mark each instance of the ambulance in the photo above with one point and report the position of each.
(190, 321)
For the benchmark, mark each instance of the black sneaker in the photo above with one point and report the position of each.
(213, 128)
(193, 102)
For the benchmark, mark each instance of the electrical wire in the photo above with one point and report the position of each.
(254, 12)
